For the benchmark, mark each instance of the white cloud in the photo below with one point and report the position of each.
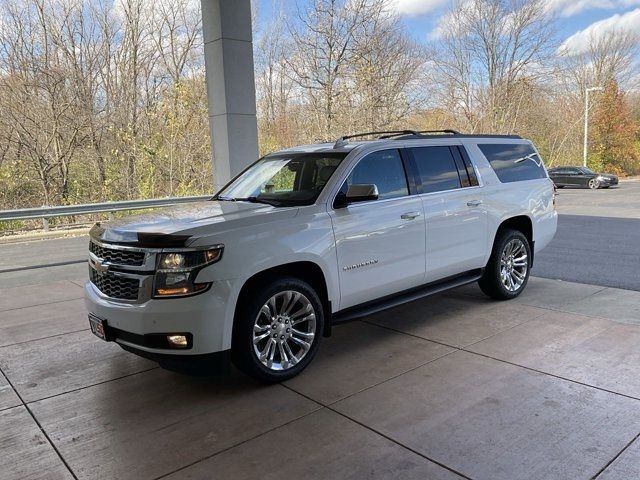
(416, 7)
(579, 41)
(567, 8)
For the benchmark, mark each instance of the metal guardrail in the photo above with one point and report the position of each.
(107, 207)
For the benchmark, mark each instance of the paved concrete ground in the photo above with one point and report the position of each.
(455, 386)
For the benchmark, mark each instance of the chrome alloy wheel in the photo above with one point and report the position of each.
(284, 329)
(514, 263)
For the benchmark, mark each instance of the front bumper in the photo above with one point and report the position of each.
(609, 181)
(204, 316)
(204, 364)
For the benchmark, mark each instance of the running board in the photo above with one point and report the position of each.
(369, 308)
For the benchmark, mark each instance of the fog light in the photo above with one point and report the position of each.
(177, 340)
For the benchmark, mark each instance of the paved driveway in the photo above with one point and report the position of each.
(456, 386)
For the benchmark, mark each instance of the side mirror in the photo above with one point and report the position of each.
(362, 192)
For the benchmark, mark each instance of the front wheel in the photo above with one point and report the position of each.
(593, 184)
(507, 271)
(277, 330)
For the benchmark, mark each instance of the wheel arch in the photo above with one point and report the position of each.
(304, 270)
(522, 223)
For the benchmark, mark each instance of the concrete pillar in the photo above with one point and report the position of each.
(228, 50)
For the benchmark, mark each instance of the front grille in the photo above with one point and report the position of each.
(114, 286)
(118, 257)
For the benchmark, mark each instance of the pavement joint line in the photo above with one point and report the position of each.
(73, 390)
(207, 457)
(43, 338)
(46, 435)
(46, 265)
(616, 457)
(391, 439)
(464, 349)
(559, 377)
(563, 309)
(42, 304)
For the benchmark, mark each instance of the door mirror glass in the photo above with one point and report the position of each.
(358, 192)
(362, 192)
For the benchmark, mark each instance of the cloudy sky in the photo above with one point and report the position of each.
(578, 19)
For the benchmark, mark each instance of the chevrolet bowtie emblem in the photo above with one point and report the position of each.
(101, 267)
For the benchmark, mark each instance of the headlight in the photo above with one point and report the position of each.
(177, 270)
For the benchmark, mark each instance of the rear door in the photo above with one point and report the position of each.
(559, 176)
(380, 243)
(456, 219)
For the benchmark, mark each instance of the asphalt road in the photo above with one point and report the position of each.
(595, 250)
(598, 242)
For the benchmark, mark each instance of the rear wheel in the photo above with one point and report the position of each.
(593, 184)
(507, 271)
(277, 330)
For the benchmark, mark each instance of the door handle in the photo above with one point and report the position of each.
(410, 215)
(474, 203)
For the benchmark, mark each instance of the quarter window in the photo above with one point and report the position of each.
(385, 170)
(436, 168)
(514, 162)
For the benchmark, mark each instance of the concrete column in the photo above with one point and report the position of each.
(228, 50)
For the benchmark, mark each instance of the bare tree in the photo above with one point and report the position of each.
(484, 49)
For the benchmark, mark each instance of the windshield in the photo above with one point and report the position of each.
(284, 179)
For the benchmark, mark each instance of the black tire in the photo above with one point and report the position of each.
(490, 282)
(593, 184)
(243, 354)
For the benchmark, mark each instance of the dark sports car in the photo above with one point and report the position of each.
(581, 177)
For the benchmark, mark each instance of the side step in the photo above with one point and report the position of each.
(375, 306)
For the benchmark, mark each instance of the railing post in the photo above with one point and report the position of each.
(110, 215)
(45, 224)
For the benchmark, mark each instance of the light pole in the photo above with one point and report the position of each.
(586, 120)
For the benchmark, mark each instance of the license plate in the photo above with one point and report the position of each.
(99, 327)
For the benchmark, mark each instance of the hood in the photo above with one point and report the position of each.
(174, 226)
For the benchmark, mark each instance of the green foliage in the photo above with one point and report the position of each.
(614, 141)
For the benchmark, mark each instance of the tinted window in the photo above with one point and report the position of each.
(471, 173)
(513, 163)
(385, 170)
(436, 168)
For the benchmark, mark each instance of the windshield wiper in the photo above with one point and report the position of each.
(248, 199)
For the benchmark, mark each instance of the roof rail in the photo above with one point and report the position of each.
(342, 141)
(446, 130)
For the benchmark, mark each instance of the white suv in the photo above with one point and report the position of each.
(315, 235)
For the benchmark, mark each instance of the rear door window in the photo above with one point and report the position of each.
(437, 168)
(514, 162)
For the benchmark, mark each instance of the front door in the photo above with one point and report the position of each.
(380, 243)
